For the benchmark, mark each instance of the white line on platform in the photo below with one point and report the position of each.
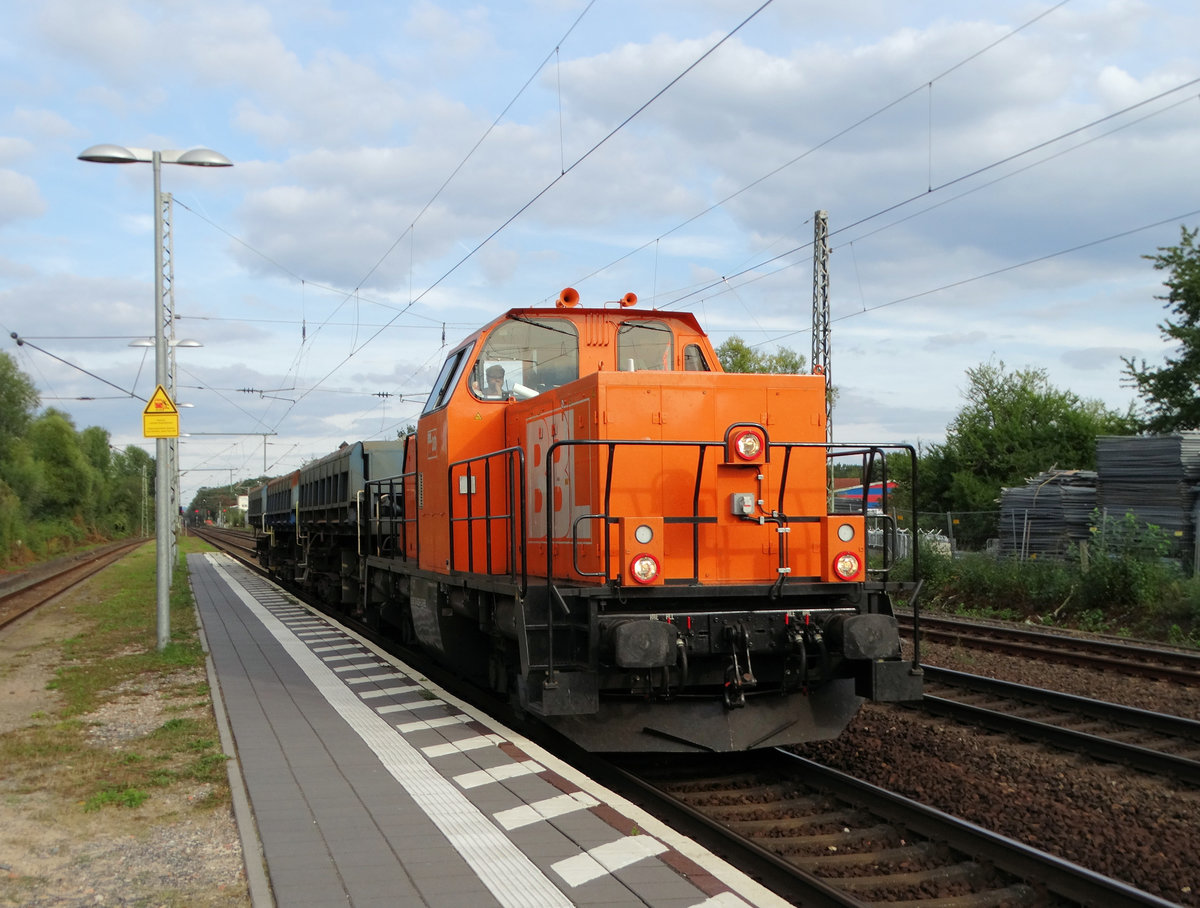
(407, 707)
(510, 876)
(498, 773)
(548, 809)
(358, 667)
(461, 747)
(596, 862)
(724, 900)
(406, 687)
(440, 722)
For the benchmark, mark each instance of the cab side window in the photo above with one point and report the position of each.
(693, 359)
(645, 345)
(451, 371)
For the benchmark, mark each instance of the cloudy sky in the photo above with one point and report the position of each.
(994, 173)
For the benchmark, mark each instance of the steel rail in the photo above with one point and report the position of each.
(1030, 871)
(28, 591)
(1094, 745)
(1061, 877)
(1180, 666)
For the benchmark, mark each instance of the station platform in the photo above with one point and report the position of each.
(358, 782)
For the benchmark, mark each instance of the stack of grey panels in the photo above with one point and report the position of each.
(1047, 515)
(1153, 477)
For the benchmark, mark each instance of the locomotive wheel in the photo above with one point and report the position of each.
(497, 673)
(408, 633)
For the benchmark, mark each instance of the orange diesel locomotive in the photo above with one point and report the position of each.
(633, 544)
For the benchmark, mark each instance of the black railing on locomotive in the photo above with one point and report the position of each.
(510, 462)
(395, 526)
(871, 456)
(388, 530)
(388, 527)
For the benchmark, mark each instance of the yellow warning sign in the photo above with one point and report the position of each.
(160, 419)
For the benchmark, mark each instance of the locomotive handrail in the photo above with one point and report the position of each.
(514, 517)
(396, 523)
(871, 454)
(695, 518)
(575, 545)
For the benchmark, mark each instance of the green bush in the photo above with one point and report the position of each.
(1122, 581)
(978, 584)
(11, 524)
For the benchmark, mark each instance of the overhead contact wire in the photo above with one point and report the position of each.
(525, 207)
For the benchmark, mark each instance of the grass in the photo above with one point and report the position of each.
(116, 659)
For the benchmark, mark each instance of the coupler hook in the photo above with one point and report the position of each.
(736, 681)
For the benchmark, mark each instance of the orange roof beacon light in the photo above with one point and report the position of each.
(568, 299)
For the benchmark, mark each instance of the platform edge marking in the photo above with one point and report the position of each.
(503, 868)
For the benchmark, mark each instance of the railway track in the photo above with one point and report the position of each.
(846, 842)
(27, 591)
(825, 838)
(239, 542)
(1150, 741)
(1155, 663)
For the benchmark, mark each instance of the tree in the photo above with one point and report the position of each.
(20, 476)
(1168, 392)
(70, 481)
(94, 444)
(132, 477)
(58, 485)
(738, 356)
(1015, 425)
(18, 402)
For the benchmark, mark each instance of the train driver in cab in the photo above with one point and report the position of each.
(494, 389)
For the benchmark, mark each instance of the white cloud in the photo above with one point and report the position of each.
(13, 150)
(19, 198)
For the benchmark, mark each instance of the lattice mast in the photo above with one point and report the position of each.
(168, 330)
(820, 311)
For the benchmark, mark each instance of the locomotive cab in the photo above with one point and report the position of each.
(636, 545)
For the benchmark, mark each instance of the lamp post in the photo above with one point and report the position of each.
(196, 157)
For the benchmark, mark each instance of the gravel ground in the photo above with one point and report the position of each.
(1129, 825)
(175, 850)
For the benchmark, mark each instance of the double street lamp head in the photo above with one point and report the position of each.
(119, 154)
(149, 342)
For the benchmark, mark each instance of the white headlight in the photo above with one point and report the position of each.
(846, 532)
(846, 565)
(748, 445)
(644, 568)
